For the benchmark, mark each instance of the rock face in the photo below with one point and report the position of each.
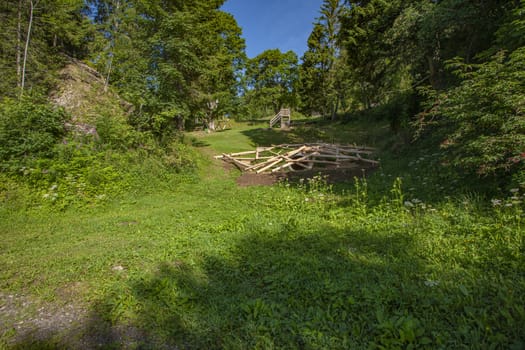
(81, 92)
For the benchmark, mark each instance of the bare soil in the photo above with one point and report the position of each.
(333, 175)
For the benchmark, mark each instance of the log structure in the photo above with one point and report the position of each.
(296, 157)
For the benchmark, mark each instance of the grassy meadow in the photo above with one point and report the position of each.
(408, 258)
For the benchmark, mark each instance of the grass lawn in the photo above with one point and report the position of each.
(404, 259)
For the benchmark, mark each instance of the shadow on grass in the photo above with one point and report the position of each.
(267, 136)
(199, 143)
(279, 289)
(282, 287)
(273, 288)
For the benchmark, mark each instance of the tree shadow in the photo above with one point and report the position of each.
(279, 289)
(199, 143)
(272, 136)
(280, 286)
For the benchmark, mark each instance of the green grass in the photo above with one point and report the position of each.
(210, 265)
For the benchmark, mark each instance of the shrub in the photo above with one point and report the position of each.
(486, 114)
(29, 128)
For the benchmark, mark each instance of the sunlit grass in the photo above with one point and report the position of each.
(384, 263)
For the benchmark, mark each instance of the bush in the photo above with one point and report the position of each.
(47, 166)
(29, 129)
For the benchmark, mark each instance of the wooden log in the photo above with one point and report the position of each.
(281, 167)
(337, 157)
(294, 152)
(260, 158)
(262, 149)
(341, 151)
(240, 164)
(298, 161)
(317, 162)
(260, 165)
(269, 165)
(241, 153)
(375, 162)
(266, 158)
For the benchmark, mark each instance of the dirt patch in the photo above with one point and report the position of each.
(26, 323)
(333, 175)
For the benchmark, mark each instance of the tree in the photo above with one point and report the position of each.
(484, 112)
(272, 81)
(32, 5)
(362, 34)
(36, 34)
(171, 58)
(322, 77)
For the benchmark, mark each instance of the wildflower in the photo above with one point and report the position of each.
(430, 283)
(416, 201)
(46, 195)
(409, 204)
(496, 202)
(514, 190)
(54, 187)
(508, 205)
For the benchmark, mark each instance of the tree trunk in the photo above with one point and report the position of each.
(22, 85)
(106, 81)
(335, 108)
(112, 45)
(19, 46)
(180, 123)
(211, 125)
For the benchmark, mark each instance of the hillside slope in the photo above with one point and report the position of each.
(81, 92)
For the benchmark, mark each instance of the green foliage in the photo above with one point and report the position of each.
(344, 271)
(271, 78)
(29, 129)
(44, 165)
(486, 113)
(393, 261)
(79, 175)
(323, 81)
(511, 35)
(59, 28)
(170, 60)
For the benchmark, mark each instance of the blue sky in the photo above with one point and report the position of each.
(274, 24)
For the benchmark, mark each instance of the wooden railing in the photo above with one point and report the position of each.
(283, 116)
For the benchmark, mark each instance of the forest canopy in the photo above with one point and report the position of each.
(447, 69)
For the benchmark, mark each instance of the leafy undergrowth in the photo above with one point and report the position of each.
(207, 265)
